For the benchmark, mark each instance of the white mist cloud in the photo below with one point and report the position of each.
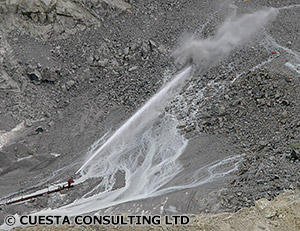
(204, 53)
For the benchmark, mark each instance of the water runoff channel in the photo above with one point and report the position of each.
(147, 147)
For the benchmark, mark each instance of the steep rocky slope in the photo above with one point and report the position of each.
(72, 70)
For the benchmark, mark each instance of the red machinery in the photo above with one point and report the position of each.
(70, 181)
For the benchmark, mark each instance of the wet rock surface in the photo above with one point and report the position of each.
(71, 70)
(252, 112)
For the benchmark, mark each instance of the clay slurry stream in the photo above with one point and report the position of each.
(142, 156)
